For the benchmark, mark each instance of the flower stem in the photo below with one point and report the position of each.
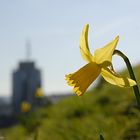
(131, 73)
(36, 134)
(101, 137)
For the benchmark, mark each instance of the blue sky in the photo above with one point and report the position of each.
(54, 27)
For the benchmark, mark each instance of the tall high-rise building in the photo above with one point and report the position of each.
(26, 80)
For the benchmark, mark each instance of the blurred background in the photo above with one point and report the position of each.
(39, 45)
(53, 29)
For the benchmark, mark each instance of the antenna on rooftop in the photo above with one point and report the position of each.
(28, 50)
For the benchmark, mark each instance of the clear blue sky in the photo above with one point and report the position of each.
(54, 27)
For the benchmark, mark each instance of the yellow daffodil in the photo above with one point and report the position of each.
(39, 93)
(25, 107)
(99, 63)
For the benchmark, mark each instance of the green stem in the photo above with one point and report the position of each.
(36, 134)
(131, 73)
(101, 137)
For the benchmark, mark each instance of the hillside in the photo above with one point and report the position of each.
(108, 109)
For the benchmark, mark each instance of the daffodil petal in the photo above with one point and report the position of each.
(84, 49)
(82, 79)
(115, 79)
(104, 55)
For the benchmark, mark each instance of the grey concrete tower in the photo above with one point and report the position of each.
(26, 80)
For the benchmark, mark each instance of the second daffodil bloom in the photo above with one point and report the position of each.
(99, 63)
(39, 93)
(25, 107)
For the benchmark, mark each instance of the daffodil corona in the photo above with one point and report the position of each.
(99, 63)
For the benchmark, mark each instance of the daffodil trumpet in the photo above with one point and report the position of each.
(98, 63)
(131, 73)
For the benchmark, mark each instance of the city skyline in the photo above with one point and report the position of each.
(54, 27)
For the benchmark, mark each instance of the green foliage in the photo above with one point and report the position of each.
(107, 110)
(30, 121)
